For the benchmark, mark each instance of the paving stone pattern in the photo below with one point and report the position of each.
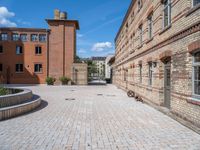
(94, 118)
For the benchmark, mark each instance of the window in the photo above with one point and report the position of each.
(23, 37)
(140, 71)
(150, 26)
(4, 36)
(19, 68)
(38, 50)
(38, 68)
(15, 37)
(195, 2)
(19, 50)
(125, 75)
(196, 73)
(1, 67)
(139, 4)
(150, 73)
(34, 37)
(140, 34)
(166, 13)
(1, 49)
(42, 38)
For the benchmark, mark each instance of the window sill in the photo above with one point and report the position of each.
(38, 72)
(19, 72)
(165, 29)
(192, 10)
(149, 40)
(194, 101)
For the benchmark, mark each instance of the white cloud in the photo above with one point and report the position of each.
(79, 35)
(82, 51)
(20, 21)
(99, 47)
(4, 18)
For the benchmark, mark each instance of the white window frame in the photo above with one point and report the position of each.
(168, 6)
(194, 64)
(15, 37)
(18, 50)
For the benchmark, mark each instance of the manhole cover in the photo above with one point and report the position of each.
(99, 94)
(70, 99)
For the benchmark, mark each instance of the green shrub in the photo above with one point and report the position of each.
(50, 80)
(64, 80)
(3, 91)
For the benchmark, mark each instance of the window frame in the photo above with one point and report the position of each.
(19, 70)
(35, 39)
(15, 37)
(3, 38)
(150, 25)
(41, 69)
(20, 50)
(24, 35)
(141, 35)
(38, 48)
(41, 35)
(193, 74)
(168, 7)
(150, 73)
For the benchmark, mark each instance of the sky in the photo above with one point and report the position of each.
(99, 20)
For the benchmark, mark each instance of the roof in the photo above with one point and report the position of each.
(61, 20)
(24, 29)
(112, 60)
(125, 18)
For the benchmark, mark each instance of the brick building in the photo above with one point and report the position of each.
(30, 55)
(158, 55)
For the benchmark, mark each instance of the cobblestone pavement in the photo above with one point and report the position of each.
(100, 117)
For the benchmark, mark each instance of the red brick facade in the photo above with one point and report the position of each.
(58, 49)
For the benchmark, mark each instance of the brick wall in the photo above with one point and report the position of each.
(171, 42)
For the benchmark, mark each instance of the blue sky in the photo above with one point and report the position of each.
(99, 20)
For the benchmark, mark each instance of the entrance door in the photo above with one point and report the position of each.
(167, 84)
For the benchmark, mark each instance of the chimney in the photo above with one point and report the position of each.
(56, 14)
(63, 15)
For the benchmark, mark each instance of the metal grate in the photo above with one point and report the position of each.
(70, 99)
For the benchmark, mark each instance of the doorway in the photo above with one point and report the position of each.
(167, 83)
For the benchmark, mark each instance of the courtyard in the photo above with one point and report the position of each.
(93, 117)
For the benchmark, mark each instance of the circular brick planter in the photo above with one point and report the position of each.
(19, 103)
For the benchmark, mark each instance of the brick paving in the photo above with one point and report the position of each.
(100, 118)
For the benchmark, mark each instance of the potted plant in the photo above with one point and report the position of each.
(64, 80)
(50, 80)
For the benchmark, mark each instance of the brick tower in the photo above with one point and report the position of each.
(62, 45)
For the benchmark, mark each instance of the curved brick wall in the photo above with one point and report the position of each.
(14, 99)
(16, 110)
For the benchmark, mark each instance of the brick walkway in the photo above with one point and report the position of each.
(100, 117)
